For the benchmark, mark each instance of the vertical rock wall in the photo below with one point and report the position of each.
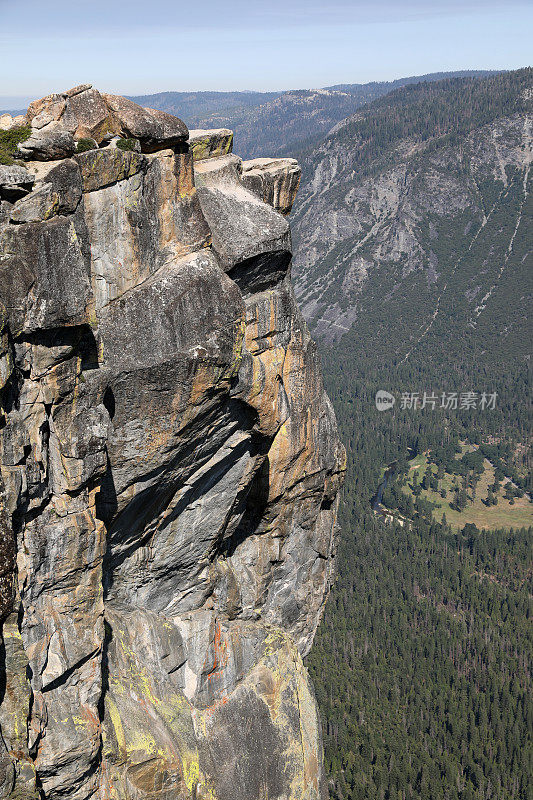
(169, 467)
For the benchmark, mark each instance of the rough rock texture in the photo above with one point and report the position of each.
(169, 470)
(209, 144)
(15, 182)
(59, 120)
(49, 143)
(274, 180)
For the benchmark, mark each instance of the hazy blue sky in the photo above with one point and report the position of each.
(156, 45)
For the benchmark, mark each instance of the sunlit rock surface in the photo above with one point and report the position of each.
(274, 180)
(170, 468)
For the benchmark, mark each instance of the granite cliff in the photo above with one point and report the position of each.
(170, 466)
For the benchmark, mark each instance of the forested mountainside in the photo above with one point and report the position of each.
(197, 106)
(396, 194)
(413, 267)
(276, 123)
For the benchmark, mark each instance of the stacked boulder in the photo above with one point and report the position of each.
(59, 121)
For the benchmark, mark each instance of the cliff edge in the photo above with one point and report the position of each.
(170, 466)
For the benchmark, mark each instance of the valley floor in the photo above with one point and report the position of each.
(506, 513)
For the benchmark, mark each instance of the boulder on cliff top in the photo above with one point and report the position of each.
(274, 180)
(155, 130)
(210, 143)
(85, 113)
(51, 143)
(242, 226)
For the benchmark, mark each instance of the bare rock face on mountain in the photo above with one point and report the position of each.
(169, 475)
(422, 217)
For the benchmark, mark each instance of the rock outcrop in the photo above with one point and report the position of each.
(274, 180)
(209, 144)
(169, 468)
(7, 121)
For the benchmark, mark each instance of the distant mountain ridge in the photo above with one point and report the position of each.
(197, 105)
(278, 123)
(429, 77)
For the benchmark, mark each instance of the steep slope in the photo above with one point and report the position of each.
(424, 195)
(413, 265)
(169, 467)
(277, 123)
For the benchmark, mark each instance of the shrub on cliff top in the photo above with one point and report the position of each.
(127, 144)
(9, 141)
(85, 144)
